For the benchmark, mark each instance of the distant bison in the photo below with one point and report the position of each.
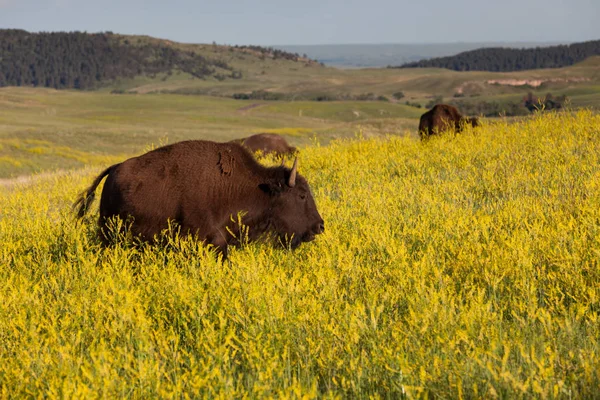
(202, 186)
(267, 143)
(443, 117)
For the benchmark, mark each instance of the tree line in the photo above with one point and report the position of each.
(275, 54)
(499, 59)
(80, 60)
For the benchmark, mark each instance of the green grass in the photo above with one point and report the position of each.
(347, 111)
(42, 129)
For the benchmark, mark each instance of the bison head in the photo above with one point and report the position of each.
(293, 213)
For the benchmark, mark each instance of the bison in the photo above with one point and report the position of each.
(267, 143)
(204, 187)
(443, 117)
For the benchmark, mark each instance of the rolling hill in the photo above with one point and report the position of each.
(76, 60)
(141, 64)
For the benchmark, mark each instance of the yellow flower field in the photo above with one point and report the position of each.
(463, 267)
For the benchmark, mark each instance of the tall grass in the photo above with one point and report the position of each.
(466, 266)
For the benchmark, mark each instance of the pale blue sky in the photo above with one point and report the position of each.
(272, 22)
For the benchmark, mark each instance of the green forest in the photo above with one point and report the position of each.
(79, 60)
(501, 59)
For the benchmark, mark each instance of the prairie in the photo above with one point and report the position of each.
(463, 267)
(419, 85)
(45, 129)
(302, 78)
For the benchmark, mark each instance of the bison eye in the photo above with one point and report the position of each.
(303, 196)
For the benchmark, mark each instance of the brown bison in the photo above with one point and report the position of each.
(443, 117)
(267, 143)
(202, 186)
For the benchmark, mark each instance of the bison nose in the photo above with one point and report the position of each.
(321, 227)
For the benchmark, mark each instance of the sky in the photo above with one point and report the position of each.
(281, 22)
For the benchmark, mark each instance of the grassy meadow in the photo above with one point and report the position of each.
(463, 267)
(44, 129)
(581, 82)
(308, 79)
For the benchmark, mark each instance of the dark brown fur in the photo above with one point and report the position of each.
(443, 117)
(202, 186)
(267, 143)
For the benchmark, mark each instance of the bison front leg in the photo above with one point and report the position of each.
(219, 242)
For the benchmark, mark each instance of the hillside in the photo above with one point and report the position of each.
(500, 59)
(279, 79)
(466, 267)
(144, 65)
(76, 60)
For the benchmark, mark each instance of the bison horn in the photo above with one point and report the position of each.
(292, 180)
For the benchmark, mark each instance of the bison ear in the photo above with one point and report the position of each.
(271, 188)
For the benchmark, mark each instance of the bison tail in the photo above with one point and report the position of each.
(85, 199)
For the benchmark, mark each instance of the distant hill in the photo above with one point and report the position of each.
(385, 54)
(124, 64)
(87, 61)
(500, 59)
